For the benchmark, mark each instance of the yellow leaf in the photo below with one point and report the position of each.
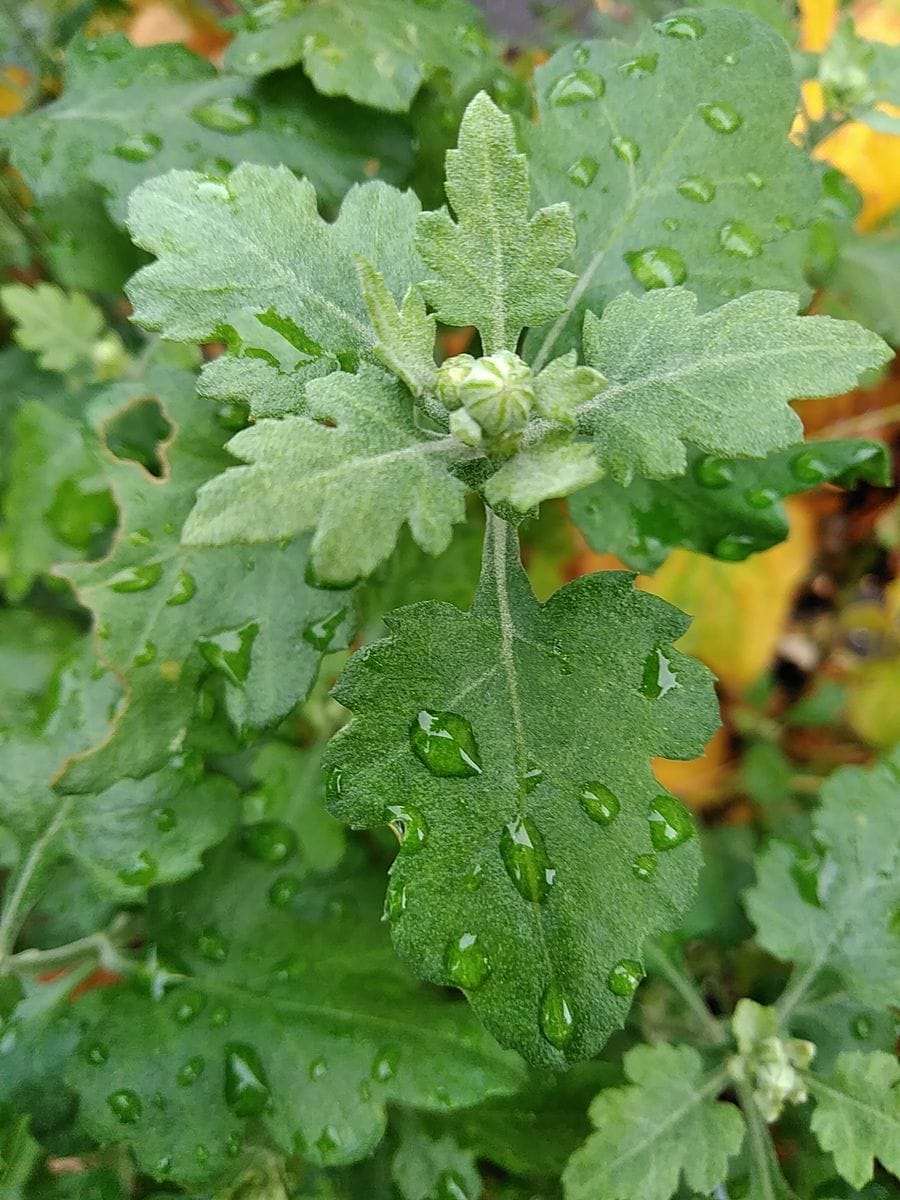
(739, 609)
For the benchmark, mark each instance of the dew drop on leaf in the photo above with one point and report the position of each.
(246, 1083)
(190, 1071)
(644, 866)
(861, 1026)
(600, 804)
(163, 1166)
(557, 1023)
(333, 783)
(409, 825)
(187, 1006)
(581, 54)
(762, 497)
(656, 267)
(230, 651)
(576, 87)
(670, 224)
(715, 473)
(141, 871)
(467, 964)
(808, 467)
(384, 1067)
(526, 860)
(318, 1069)
(96, 1053)
(735, 547)
(212, 946)
(139, 148)
(81, 510)
(320, 634)
(532, 777)
(146, 655)
(137, 579)
(696, 188)
(658, 677)
(755, 180)
(583, 171)
(228, 114)
(625, 148)
(166, 819)
(201, 1154)
(219, 1016)
(721, 117)
(451, 1186)
(283, 890)
(270, 842)
(328, 1142)
(640, 67)
(185, 589)
(683, 27)
(233, 1144)
(739, 240)
(125, 1105)
(394, 900)
(670, 823)
(445, 743)
(624, 977)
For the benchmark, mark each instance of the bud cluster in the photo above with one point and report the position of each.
(487, 397)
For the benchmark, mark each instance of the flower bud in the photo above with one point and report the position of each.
(496, 391)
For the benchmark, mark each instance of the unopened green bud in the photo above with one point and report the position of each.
(497, 391)
(770, 1064)
(465, 428)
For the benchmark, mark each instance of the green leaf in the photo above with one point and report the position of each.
(494, 267)
(256, 242)
(665, 1125)
(355, 480)
(60, 329)
(292, 1017)
(19, 1156)
(426, 1166)
(527, 873)
(168, 615)
(720, 381)
(673, 153)
(861, 285)
(556, 467)
(128, 113)
(857, 1114)
(405, 335)
(729, 508)
(840, 911)
(378, 56)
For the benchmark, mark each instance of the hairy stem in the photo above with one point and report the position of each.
(764, 1161)
(17, 902)
(676, 976)
(102, 947)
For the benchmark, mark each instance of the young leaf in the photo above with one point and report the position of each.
(128, 113)
(425, 1166)
(289, 1013)
(256, 242)
(840, 915)
(60, 329)
(378, 56)
(665, 1124)
(720, 381)
(165, 614)
(674, 155)
(528, 873)
(494, 267)
(355, 480)
(405, 335)
(555, 467)
(857, 1114)
(729, 508)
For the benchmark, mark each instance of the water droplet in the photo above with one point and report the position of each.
(201, 1153)
(318, 1069)
(624, 977)
(328, 1142)
(409, 825)
(269, 841)
(212, 946)
(735, 547)
(626, 148)
(670, 224)
(531, 779)
(474, 878)
(233, 1144)
(246, 1083)
(212, 189)
(670, 824)
(137, 579)
(696, 188)
(185, 589)
(581, 54)
(139, 148)
(187, 1006)
(163, 1166)
(640, 67)
(583, 171)
(166, 819)
(755, 180)
(762, 497)
(713, 472)
(656, 267)
(644, 866)
(740, 240)
(783, 223)
(658, 677)
(125, 1105)
(333, 778)
(141, 872)
(600, 804)
(96, 1053)
(145, 656)
(577, 87)
(219, 1016)
(190, 1071)
(320, 634)
(228, 114)
(721, 117)
(385, 1065)
(467, 964)
(862, 1026)
(445, 743)
(526, 860)
(451, 1186)
(681, 26)
(291, 968)
(394, 900)
(283, 890)
(230, 651)
(808, 467)
(80, 510)
(557, 1024)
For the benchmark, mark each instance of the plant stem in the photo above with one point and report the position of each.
(100, 945)
(762, 1151)
(684, 985)
(21, 219)
(16, 903)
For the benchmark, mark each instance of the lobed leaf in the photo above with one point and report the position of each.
(857, 1114)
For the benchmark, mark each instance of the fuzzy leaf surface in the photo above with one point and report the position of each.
(665, 1124)
(59, 328)
(843, 917)
(857, 1114)
(504, 884)
(494, 266)
(128, 113)
(720, 381)
(293, 1014)
(729, 508)
(628, 136)
(355, 481)
(169, 615)
(256, 242)
(379, 56)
